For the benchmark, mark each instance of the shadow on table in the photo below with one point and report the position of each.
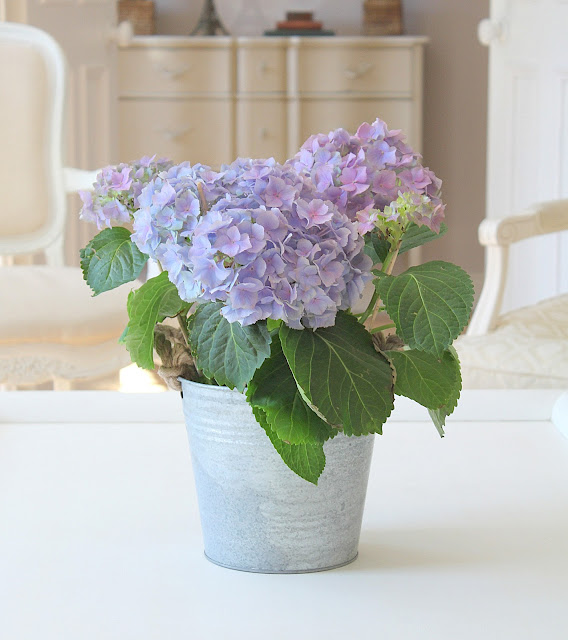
(500, 543)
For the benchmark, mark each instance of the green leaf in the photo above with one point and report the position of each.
(111, 259)
(305, 460)
(341, 375)
(151, 303)
(376, 246)
(172, 304)
(430, 304)
(417, 235)
(425, 378)
(227, 351)
(439, 415)
(272, 325)
(274, 390)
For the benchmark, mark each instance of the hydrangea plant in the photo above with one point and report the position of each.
(261, 265)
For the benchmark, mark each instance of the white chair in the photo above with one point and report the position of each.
(51, 329)
(527, 347)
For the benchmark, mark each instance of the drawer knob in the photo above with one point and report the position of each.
(263, 133)
(263, 66)
(171, 73)
(174, 134)
(356, 72)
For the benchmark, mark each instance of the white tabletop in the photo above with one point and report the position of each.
(463, 538)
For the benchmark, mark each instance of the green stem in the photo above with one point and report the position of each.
(390, 325)
(370, 308)
(388, 264)
(182, 321)
(386, 267)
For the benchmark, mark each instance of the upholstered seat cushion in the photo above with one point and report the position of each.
(43, 304)
(528, 348)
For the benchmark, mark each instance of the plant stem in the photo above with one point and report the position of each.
(391, 259)
(390, 325)
(388, 264)
(182, 321)
(387, 268)
(370, 308)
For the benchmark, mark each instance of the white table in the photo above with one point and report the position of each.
(464, 538)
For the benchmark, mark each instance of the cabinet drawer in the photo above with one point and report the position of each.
(358, 69)
(158, 70)
(261, 129)
(322, 116)
(195, 130)
(261, 69)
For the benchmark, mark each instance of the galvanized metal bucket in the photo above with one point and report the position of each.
(256, 514)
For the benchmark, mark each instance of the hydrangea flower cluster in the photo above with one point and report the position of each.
(116, 191)
(372, 177)
(267, 246)
(270, 240)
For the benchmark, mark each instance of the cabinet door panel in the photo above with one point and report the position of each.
(261, 129)
(359, 69)
(194, 130)
(322, 116)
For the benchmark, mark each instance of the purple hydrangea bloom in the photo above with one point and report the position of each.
(265, 246)
(365, 173)
(265, 239)
(115, 193)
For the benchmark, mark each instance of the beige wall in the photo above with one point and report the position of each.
(455, 118)
(455, 95)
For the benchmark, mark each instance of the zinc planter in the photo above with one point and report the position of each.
(256, 514)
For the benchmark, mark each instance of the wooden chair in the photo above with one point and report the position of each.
(527, 347)
(50, 326)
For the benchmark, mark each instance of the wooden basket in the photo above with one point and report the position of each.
(382, 17)
(140, 13)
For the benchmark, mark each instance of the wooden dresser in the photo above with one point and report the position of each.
(210, 100)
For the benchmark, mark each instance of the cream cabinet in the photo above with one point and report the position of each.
(210, 100)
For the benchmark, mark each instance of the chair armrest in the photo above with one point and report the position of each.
(497, 235)
(78, 179)
(539, 219)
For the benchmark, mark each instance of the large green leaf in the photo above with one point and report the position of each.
(226, 351)
(439, 415)
(111, 259)
(151, 303)
(417, 235)
(305, 460)
(274, 390)
(430, 304)
(425, 378)
(341, 375)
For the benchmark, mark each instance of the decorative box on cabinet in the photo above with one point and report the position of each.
(212, 99)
